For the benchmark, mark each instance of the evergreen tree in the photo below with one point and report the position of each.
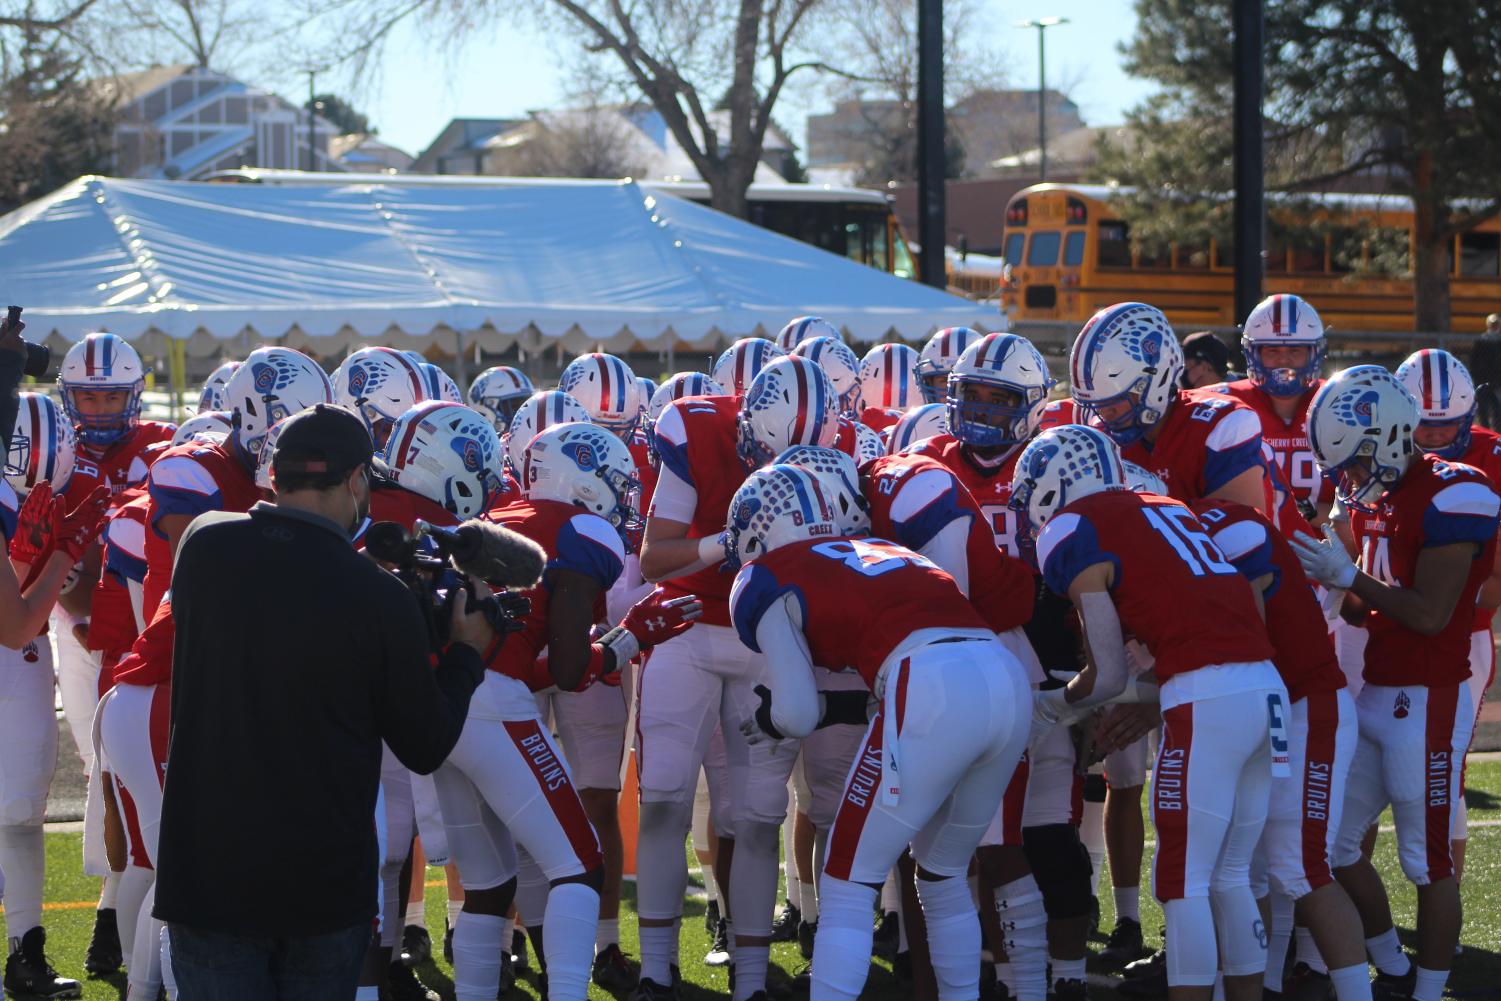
(342, 114)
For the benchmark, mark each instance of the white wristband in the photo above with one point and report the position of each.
(710, 551)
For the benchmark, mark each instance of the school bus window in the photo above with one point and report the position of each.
(1347, 249)
(1153, 257)
(1307, 253)
(1224, 255)
(1013, 252)
(1073, 250)
(1276, 255)
(1192, 258)
(1479, 255)
(1042, 252)
(1112, 248)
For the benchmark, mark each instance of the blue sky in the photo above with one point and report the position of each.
(422, 83)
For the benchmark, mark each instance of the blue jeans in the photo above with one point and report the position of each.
(211, 966)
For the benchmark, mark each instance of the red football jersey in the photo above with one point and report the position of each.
(913, 497)
(149, 661)
(389, 502)
(646, 472)
(1207, 439)
(1435, 503)
(1174, 590)
(1294, 622)
(881, 419)
(860, 598)
(190, 478)
(1484, 453)
(120, 466)
(574, 540)
(112, 622)
(1056, 413)
(991, 488)
(1287, 441)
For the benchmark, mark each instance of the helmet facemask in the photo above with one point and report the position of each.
(1285, 381)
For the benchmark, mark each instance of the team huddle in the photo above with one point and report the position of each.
(915, 617)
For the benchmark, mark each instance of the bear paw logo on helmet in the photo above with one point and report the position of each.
(470, 452)
(582, 454)
(266, 377)
(1356, 407)
(1144, 347)
(1039, 458)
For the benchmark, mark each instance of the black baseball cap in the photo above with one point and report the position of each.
(322, 439)
(1204, 346)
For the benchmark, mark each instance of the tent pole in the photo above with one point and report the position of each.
(177, 367)
(460, 364)
(672, 356)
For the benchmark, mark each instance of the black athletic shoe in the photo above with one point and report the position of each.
(416, 945)
(711, 918)
(1069, 990)
(507, 976)
(542, 986)
(518, 949)
(1124, 945)
(785, 928)
(1391, 987)
(29, 975)
(901, 968)
(402, 985)
(104, 956)
(650, 990)
(1094, 917)
(1149, 979)
(448, 942)
(1307, 984)
(719, 951)
(613, 971)
(806, 932)
(1146, 967)
(887, 936)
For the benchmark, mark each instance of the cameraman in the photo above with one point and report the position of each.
(295, 657)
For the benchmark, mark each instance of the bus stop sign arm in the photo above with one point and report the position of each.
(1250, 210)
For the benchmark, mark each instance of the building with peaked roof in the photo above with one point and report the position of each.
(460, 147)
(188, 121)
(365, 153)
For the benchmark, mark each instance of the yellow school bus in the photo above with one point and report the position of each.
(1068, 254)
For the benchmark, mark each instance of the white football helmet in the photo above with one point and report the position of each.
(42, 447)
(586, 466)
(841, 482)
(104, 362)
(212, 396)
(1445, 394)
(648, 390)
(1061, 465)
(742, 361)
(774, 507)
(1126, 353)
(607, 388)
(537, 413)
(1283, 319)
(802, 328)
(215, 424)
(681, 385)
(269, 386)
(439, 385)
(888, 378)
(838, 362)
(1000, 361)
(790, 403)
(868, 444)
(447, 453)
(927, 421)
(1361, 422)
(1143, 480)
(497, 393)
(380, 384)
(938, 357)
(263, 461)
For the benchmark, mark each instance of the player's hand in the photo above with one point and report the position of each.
(1331, 601)
(760, 727)
(10, 336)
(1325, 560)
(33, 525)
(74, 531)
(655, 619)
(467, 624)
(1120, 726)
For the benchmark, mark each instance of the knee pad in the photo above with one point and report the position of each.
(1060, 865)
(667, 815)
(1241, 934)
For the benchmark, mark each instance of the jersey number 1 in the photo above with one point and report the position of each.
(1184, 533)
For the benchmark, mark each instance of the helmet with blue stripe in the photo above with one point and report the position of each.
(497, 392)
(790, 403)
(927, 421)
(776, 506)
(206, 424)
(1062, 465)
(681, 385)
(212, 395)
(1360, 427)
(586, 466)
(539, 412)
(841, 365)
(801, 328)
(439, 384)
(648, 390)
(1005, 362)
(42, 446)
(938, 357)
(742, 361)
(607, 388)
(841, 484)
(102, 362)
(1126, 353)
(380, 384)
(271, 385)
(1446, 399)
(1288, 321)
(888, 377)
(447, 453)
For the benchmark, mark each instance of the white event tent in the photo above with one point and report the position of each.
(534, 264)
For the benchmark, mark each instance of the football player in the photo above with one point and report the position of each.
(211, 397)
(799, 329)
(380, 384)
(1425, 529)
(840, 364)
(888, 385)
(497, 393)
(1213, 774)
(937, 359)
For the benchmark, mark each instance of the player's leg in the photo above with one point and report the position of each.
(1125, 837)
(1059, 863)
(677, 697)
(1482, 672)
(1010, 899)
(434, 852)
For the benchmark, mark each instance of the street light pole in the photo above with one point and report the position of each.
(1042, 24)
(930, 142)
(312, 94)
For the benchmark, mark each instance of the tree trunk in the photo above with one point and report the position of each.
(729, 183)
(1431, 244)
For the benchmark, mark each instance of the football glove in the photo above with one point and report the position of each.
(1325, 560)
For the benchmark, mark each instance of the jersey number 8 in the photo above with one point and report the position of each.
(869, 557)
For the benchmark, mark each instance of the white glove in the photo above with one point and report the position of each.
(1326, 560)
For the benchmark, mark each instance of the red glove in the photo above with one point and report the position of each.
(73, 531)
(653, 620)
(33, 526)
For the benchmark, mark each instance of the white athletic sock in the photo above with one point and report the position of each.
(901, 932)
(417, 909)
(144, 964)
(1005, 973)
(23, 859)
(1429, 985)
(568, 934)
(1024, 921)
(750, 969)
(790, 878)
(711, 885)
(1092, 834)
(658, 952)
(507, 932)
(1386, 953)
(133, 886)
(1067, 969)
(809, 905)
(109, 893)
(1352, 983)
(953, 936)
(477, 947)
(607, 934)
(1308, 952)
(1128, 903)
(891, 894)
(164, 954)
(390, 900)
(367, 992)
(454, 907)
(841, 950)
(1277, 936)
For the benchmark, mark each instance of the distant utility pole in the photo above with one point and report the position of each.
(1042, 24)
(930, 172)
(1250, 207)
